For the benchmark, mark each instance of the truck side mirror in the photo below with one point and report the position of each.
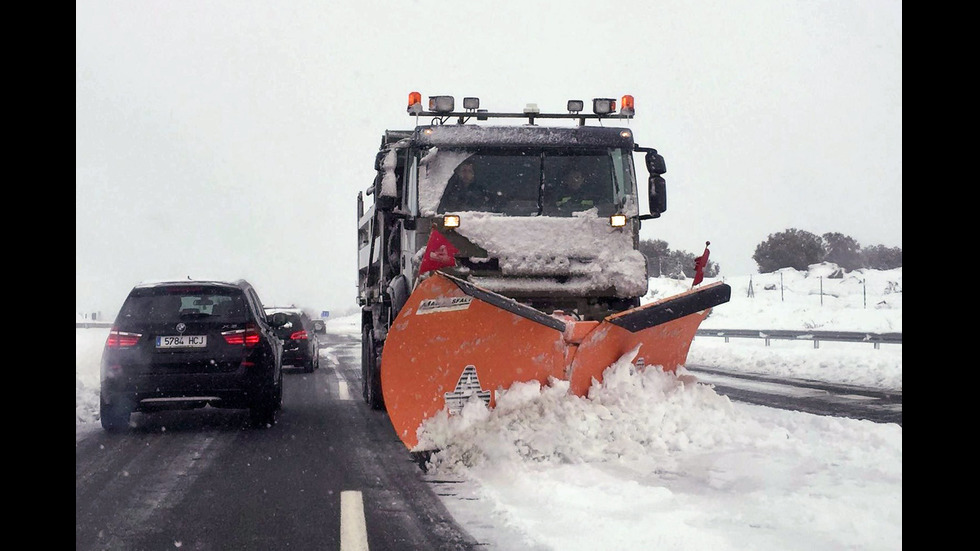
(655, 163)
(658, 195)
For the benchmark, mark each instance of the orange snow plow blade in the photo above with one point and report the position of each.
(453, 340)
(664, 330)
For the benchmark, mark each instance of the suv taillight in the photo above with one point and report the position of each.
(301, 335)
(248, 336)
(121, 339)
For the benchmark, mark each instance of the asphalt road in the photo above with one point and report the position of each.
(821, 398)
(202, 480)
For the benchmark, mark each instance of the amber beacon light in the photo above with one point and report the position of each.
(626, 105)
(414, 102)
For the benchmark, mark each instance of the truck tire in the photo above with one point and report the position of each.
(365, 361)
(371, 369)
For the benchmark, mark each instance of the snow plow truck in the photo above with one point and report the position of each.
(495, 253)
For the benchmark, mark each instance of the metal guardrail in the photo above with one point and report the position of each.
(815, 336)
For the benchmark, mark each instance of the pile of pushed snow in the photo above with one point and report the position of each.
(630, 415)
(634, 417)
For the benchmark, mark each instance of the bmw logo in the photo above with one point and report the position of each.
(181, 327)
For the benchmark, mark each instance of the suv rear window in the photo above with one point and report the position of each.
(185, 303)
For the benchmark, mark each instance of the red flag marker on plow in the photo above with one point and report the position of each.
(699, 264)
(439, 252)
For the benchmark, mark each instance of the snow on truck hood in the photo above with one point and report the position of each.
(585, 247)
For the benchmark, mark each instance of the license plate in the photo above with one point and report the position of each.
(183, 341)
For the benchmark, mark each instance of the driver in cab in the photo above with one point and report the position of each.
(573, 193)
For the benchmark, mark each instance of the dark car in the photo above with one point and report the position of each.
(300, 342)
(188, 344)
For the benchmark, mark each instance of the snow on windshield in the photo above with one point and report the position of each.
(584, 245)
(434, 172)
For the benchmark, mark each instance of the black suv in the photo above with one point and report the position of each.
(300, 341)
(187, 344)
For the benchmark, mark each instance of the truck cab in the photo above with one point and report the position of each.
(546, 215)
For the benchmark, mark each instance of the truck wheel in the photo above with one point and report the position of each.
(371, 370)
(375, 397)
(365, 361)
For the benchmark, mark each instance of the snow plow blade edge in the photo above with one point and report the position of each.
(674, 307)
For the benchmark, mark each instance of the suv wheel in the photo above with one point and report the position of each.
(114, 417)
(262, 416)
(263, 413)
(278, 401)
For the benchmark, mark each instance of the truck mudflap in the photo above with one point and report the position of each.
(454, 341)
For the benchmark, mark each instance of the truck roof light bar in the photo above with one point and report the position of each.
(441, 107)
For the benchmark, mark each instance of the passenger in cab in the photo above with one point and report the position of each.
(466, 192)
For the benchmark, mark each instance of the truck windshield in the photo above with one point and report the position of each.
(542, 183)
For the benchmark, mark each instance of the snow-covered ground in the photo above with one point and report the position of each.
(652, 460)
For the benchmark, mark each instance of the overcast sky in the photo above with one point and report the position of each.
(230, 138)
